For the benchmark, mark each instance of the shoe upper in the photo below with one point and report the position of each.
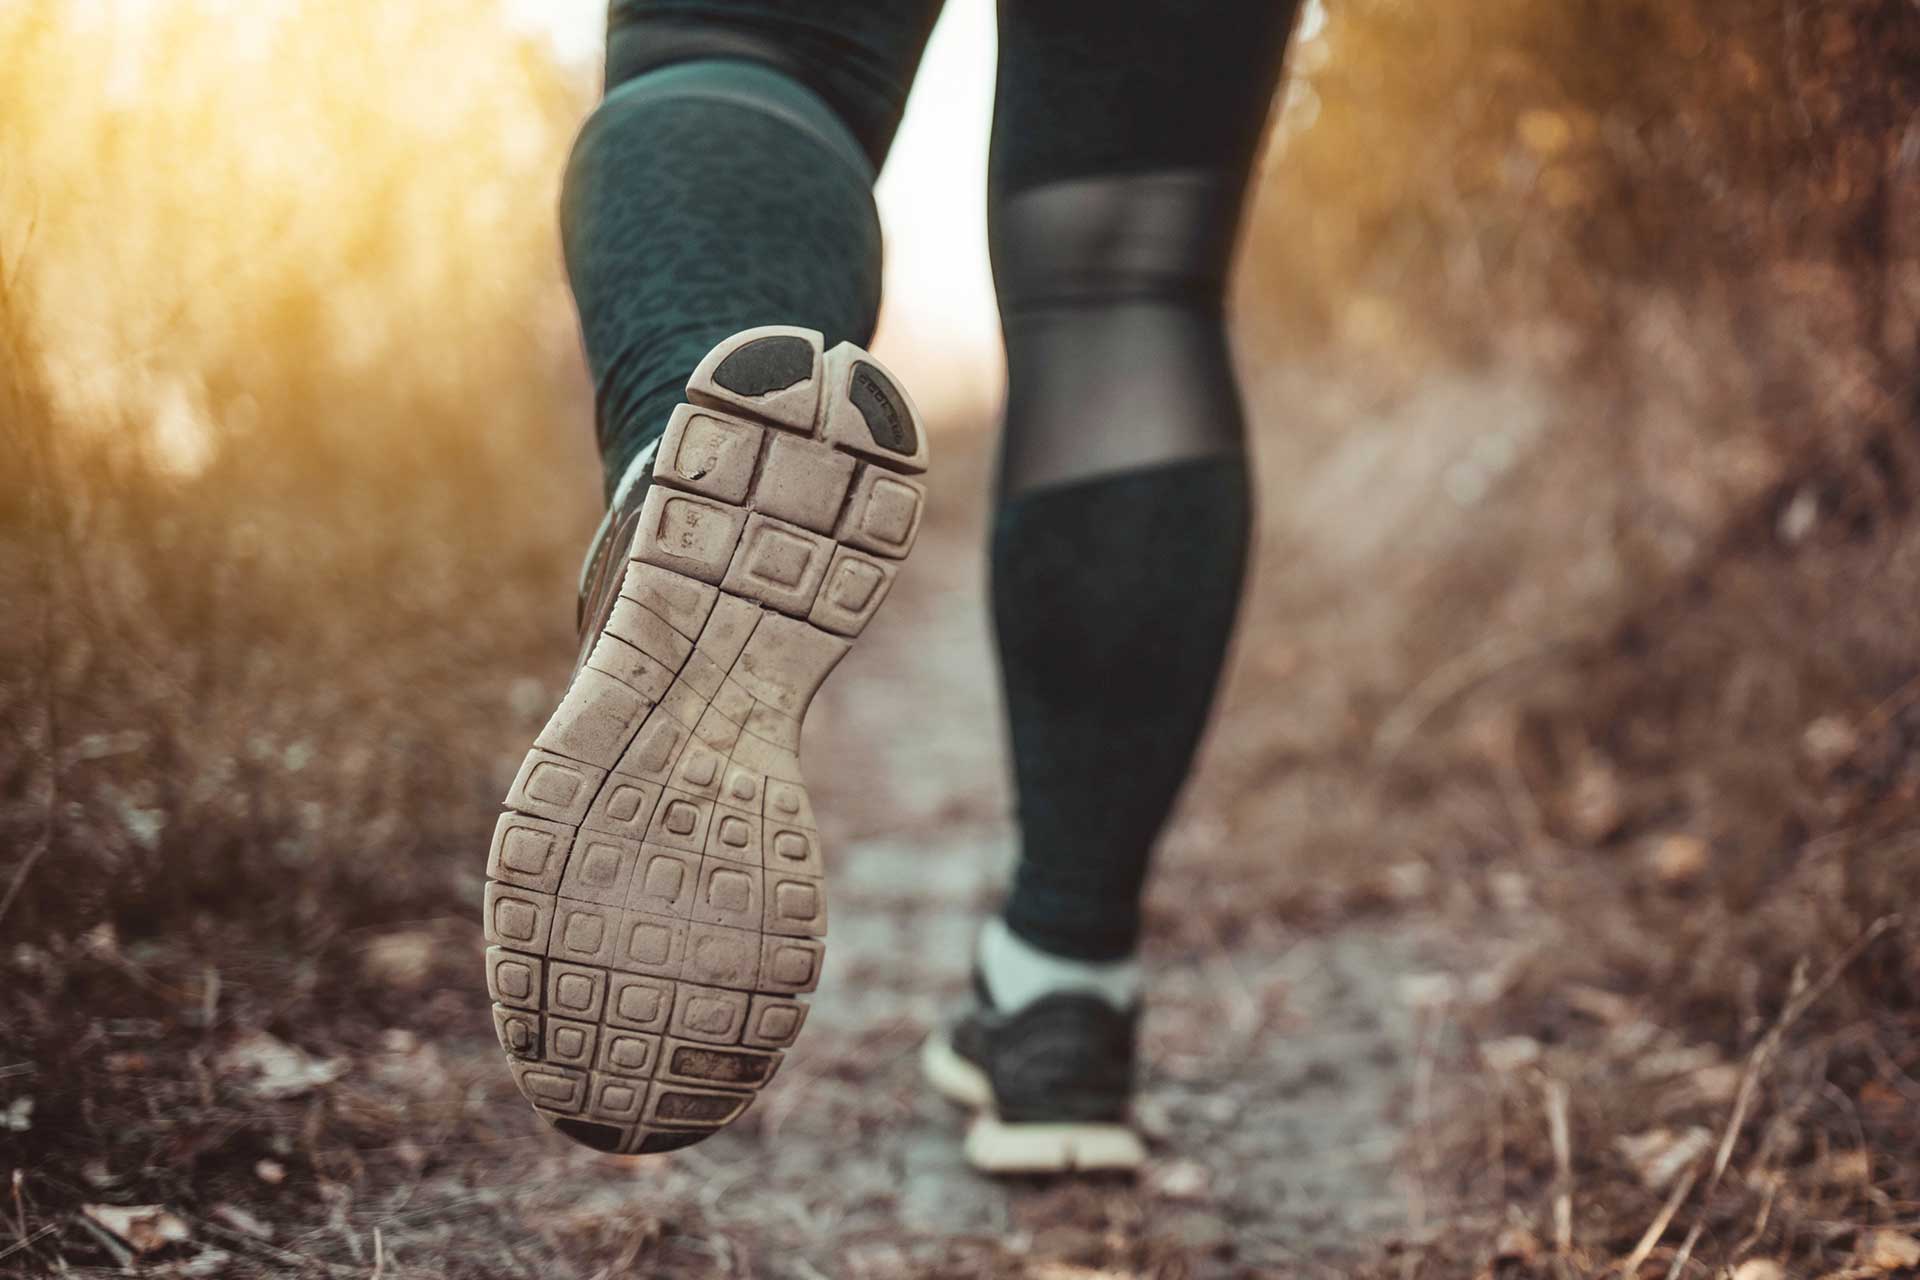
(1066, 1058)
(605, 565)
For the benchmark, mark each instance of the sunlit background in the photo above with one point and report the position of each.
(365, 173)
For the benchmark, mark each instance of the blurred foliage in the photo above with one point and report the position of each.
(1698, 222)
(282, 323)
(222, 219)
(1450, 173)
(1624, 185)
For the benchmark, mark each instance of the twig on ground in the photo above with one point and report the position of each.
(209, 996)
(27, 864)
(117, 1251)
(1658, 1227)
(27, 1242)
(1892, 705)
(1231, 991)
(1559, 1133)
(285, 1257)
(1804, 996)
(1753, 1237)
(50, 823)
(1763, 1053)
(19, 1203)
(1448, 681)
(1496, 1148)
(1428, 1030)
(1686, 1251)
(1523, 809)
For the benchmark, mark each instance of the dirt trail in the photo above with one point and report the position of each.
(1284, 1071)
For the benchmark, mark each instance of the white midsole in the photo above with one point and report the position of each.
(994, 1146)
(997, 1146)
(953, 1076)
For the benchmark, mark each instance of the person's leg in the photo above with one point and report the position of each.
(1124, 136)
(655, 902)
(726, 179)
(1124, 133)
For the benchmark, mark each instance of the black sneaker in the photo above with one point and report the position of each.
(1051, 1084)
(655, 902)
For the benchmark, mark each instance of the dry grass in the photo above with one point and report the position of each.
(244, 515)
(275, 363)
(1730, 785)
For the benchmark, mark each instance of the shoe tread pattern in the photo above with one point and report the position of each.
(655, 901)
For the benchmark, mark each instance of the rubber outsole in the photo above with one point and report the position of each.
(997, 1146)
(655, 902)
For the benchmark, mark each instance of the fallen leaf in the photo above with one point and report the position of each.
(399, 1040)
(1759, 1269)
(1428, 990)
(1601, 1006)
(1718, 1084)
(402, 960)
(1179, 1180)
(1888, 1250)
(1828, 741)
(1153, 1118)
(240, 1220)
(146, 1227)
(1882, 1103)
(1511, 890)
(1676, 1062)
(1658, 1155)
(1633, 1038)
(1517, 1244)
(1407, 881)
(1798, 517)
(1594, 803)
(1510, 1054)
(1677, 861)
(271, 1172)
(278, 1069)
(1844, 1168)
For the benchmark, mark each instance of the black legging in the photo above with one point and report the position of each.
(708, 195)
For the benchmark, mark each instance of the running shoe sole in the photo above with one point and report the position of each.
(655, 901)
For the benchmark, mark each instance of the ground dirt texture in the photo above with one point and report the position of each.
(1407, 932)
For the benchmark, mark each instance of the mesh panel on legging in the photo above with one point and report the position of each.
(1110, 301)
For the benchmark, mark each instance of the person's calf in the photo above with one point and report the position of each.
(701, 199)
(1113, 603)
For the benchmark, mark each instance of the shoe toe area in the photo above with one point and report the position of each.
(951, 1075)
